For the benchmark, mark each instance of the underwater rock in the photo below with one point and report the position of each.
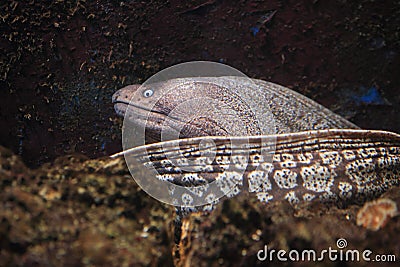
(80, 212)
(375, 214)
(238, 229)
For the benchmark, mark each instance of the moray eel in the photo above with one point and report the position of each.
(253, 102)
(312, 154)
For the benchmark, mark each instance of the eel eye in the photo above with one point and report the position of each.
(148, 93)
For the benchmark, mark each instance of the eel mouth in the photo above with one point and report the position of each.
(121, 107)
(144, 116)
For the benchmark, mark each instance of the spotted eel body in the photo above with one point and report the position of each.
(314, 154)
(335, 165)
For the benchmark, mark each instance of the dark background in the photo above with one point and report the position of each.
(61, 61)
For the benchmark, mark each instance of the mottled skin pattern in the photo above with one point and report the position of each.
(291, 111)
(330, 165)
(340, 165)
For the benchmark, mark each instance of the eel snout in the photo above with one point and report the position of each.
(122, 97)
(125, 94)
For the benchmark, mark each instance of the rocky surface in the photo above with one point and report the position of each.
(81, 212)
(235, 232)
